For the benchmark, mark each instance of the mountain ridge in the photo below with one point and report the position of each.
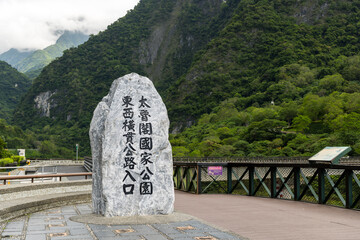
(213, 58)
(30, 62)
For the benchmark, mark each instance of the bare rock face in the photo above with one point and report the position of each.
(43, 103)
(132, 158)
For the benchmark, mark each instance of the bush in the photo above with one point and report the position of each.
(5, 161)
(17, 159)
(3, 152)
(10, 160)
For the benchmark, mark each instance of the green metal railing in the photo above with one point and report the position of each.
(337, 185)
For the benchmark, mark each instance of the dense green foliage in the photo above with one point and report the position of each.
(261, 40)
(13, 85)
(293, 128)
(41, 145)
(6, 157)
(11, 160)
(3, 152)
(253, 77)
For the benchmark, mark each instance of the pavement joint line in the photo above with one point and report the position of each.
(161, 233)
(91, 232)
(2, 227)
(87, 225)
(26, 223)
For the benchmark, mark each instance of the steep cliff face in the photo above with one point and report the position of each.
(43, 103)
(168, 51)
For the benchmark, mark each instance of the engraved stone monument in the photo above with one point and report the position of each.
(132, 158)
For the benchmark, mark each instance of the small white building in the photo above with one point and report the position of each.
(21, 152)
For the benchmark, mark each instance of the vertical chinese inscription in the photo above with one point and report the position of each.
(144, 144)
(129, 150)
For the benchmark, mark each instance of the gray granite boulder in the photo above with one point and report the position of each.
(132, 158)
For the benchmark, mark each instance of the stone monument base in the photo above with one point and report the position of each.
(125, 220)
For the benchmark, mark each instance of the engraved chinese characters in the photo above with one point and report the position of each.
(132, 160)
(145, 143)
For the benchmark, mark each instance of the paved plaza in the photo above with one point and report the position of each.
(259, 218)
(212, 216)
(57, 224)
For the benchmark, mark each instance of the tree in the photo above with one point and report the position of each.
(47, 148)
(301, 123)
(313, 106)
(351, 69)
(331, 83)
(347, 128)
(3, 152)
(267, 129)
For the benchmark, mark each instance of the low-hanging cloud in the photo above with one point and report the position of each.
(36, 24)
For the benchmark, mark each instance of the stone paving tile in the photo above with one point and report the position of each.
(223, 236)
(103, 234)
(15, 226)
(74, 238)
(79, 231)
(11, 233)
(155, 237)
(114, 227)
(36, 227)
(39, 226)
(36, 237)
(145, 229)
(165, 229)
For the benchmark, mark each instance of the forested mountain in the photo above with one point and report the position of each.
(273, 77)
(14, 56)
(32, 62)
(13, 85)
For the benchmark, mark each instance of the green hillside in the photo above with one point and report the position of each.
(32, 62)
(40, 58)
(37, 60)
(13, 56)
(13, 85)
(263, 72)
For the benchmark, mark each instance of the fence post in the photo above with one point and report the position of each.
(251, 180)
(349, 188)
(229, 179)
(321, 183)
(273, 182)
(199, 190)
(296, 183)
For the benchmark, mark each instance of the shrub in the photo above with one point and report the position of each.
(5, 161)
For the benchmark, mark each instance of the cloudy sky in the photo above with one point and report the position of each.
(33, 23)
